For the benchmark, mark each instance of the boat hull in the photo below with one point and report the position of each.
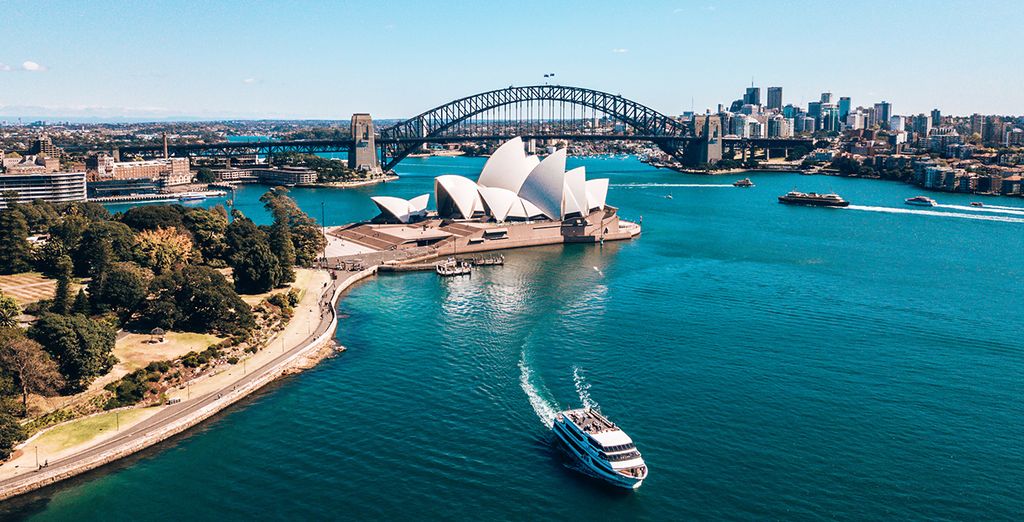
(812, 203)
(593, 468)
(920, 203)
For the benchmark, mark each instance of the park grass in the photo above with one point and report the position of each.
(28, 287)
(82, 430)
(134, 351)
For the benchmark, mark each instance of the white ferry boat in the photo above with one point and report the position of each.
(601, 446)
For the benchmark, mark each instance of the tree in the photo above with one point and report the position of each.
(11, 433)
(280, 240)
(256, 268)
(205, 175)
(68, 231)
(164, 249)
(33, 369)
(306, 234)
(81, 347)
(103, 242)
(151, 217)
(207, 228)
(81, 305)
(15, 253)
(9, 311)
(62, 298)
(197, 299)
(122, 289)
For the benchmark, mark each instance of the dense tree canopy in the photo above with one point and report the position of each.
(256, 268)
(150, 217)
(31, 367)
(164, 249)
(122, 289)
(307, 235)
(81, 346)
(207, 227)
(16, 254)
(198, 299)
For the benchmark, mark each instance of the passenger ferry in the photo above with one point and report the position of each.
(601, 446)
(921, 201)
(813, 199)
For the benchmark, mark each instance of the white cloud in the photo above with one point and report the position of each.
(620, 50)
(250, 80)
(29, 65)
(4, 67)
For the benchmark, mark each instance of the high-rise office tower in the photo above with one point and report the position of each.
(753, 96)
(883, 111)
(826, 97)
(775, 98)
(936, 118)
(844, 108)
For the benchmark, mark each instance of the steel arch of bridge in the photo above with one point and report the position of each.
(400, 140)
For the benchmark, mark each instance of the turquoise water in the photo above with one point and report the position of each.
(772, 362)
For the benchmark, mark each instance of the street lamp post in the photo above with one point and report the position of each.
(323, 228)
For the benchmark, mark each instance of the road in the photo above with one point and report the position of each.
(80, 462)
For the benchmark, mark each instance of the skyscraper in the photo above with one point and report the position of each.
(775, 98)
(826, 97)
(844, 108)
(753, 96)
(883, 111)
(936, 118)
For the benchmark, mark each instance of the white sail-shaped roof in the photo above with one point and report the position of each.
(575, 198)
(545, 185)
(499, 201)
(507, 167)
(597, 192)
(402, 210)
(418, 204)
(456, 196)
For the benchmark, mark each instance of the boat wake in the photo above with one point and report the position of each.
(544, 408)
(892, 210)
(583, 389)
(682, 185)
(991, 209)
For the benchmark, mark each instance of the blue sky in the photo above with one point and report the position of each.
(322, 59)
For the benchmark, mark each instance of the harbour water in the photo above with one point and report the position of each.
(772, 363)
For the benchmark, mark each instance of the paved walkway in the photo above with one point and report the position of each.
(176, 418)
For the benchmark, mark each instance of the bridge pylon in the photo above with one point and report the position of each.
(363, 154)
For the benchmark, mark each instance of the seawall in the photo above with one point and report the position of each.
(192, 413)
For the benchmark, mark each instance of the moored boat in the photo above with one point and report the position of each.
(601, 446)
(192, 197)
(813, 199)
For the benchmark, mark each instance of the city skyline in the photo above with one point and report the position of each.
(243, 61)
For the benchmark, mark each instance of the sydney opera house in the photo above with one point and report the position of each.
(518, 200)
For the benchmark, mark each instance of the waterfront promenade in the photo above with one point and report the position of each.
(301, 343)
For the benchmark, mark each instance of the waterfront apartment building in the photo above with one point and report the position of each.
(168, 172)
(287, 175)
(55, 187)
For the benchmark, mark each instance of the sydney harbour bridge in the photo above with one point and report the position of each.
(534, 112)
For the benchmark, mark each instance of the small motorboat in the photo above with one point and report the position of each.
(977, 204)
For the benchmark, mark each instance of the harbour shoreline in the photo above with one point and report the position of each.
(175, 419)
